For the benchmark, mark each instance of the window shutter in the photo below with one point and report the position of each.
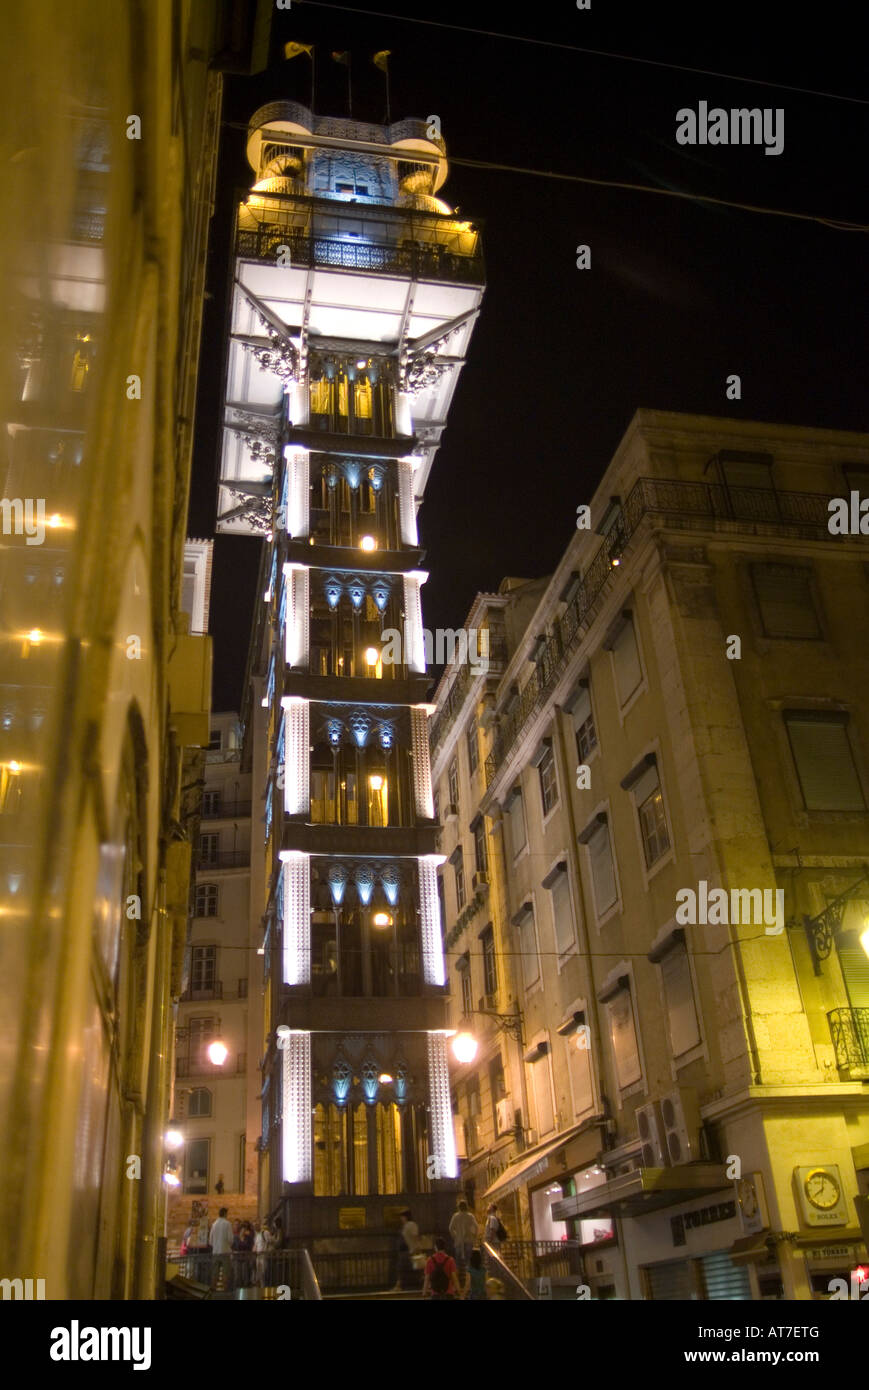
(855, 969)
(581, 709)
(824, 761)
(602, 869)
(624, 1038)
(562, 916)
(784, 597)
(626, 659)
(682, 1014)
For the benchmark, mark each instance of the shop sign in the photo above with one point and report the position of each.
(706, 1216)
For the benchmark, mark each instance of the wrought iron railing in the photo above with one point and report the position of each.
(223, 859)
(423, 261)
(227, 810)
(677, 502)
(455, 696)
(849, 1029)
(289, 1269)
(536, 1259)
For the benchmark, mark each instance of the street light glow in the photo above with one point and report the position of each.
(464, 1047)
(218, 1052)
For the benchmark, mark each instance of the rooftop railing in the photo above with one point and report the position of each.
(424, 261)
(675, 502)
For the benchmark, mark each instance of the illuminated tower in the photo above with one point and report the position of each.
(355, 293)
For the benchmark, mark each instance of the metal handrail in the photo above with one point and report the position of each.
(428, 261)
(503, 1271)
(849, 1030)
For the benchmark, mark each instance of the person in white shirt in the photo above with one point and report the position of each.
(220, 1240)
(408, 1246)
(463, 1231)
(262, 1244)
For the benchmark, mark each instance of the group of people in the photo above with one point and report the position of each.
(446, 1276)
(239, 1248)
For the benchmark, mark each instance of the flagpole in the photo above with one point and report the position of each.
(349, 85)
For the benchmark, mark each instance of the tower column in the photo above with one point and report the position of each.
(442, 1135)
(296, 1109)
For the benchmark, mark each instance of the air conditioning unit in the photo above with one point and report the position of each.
(650, 1130)
(680, 1113)
(504, 1114)
(451, 812)
(480, 880)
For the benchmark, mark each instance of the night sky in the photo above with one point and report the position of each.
(679, 296)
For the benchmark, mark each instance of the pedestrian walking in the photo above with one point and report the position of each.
(441, 1280)
(463, 1233)
(494, 1233)
(476, 1287)
(221, 1249)
(262, 1244)
(408, 1247)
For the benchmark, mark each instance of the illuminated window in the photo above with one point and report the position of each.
(473, 747)
(548, 779)
(463, 966)
(644, 784)
(583, 724)
(453, 780)
(459, 867)
(481, 849)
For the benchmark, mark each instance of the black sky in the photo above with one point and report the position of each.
(679, 296)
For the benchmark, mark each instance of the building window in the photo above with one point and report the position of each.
(211, 803)
(548, 780)
(203, 972)
(481, 849)
(517, 822)
(196, 1165)
(562, 914)
(498, 1092)
(208, 848)
(214, 742)
(459, 867)
(453, 780)
(490, 967)
(541, 1086)
(206, 900)
(463, 966)
(473, 747)
(442, 902)
(650, 810)
(529, 955)
(626, 660)
(436, 800)
(583, 724)
(200, 1035)
(681, 1011)
(199, 1105)
(474, 1111)
(623, 1036)
(786, 602)
(579, 1069)
(824, 760)
(242, 988)
(602, 865)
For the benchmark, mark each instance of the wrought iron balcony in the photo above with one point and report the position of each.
(194, 992)
(422, 261)
(849, 1029)
(455, 697)
(226, 810)
(223, 859)
(669, 501)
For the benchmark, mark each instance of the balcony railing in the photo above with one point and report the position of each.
(849, 1029)
(194, 992)
(674, 502)
(226, 810)
(222, 859)
(424, 261)
(455, 697)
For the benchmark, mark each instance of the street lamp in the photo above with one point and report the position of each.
(465, 1045)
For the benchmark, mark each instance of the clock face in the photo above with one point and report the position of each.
(822, 1189)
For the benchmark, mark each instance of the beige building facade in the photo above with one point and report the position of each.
(676, 789)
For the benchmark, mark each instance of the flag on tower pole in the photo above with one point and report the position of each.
(292, 50)
(381, 60)
(344, 59)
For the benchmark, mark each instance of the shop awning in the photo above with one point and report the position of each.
(646, 1189)
(527, 1167)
